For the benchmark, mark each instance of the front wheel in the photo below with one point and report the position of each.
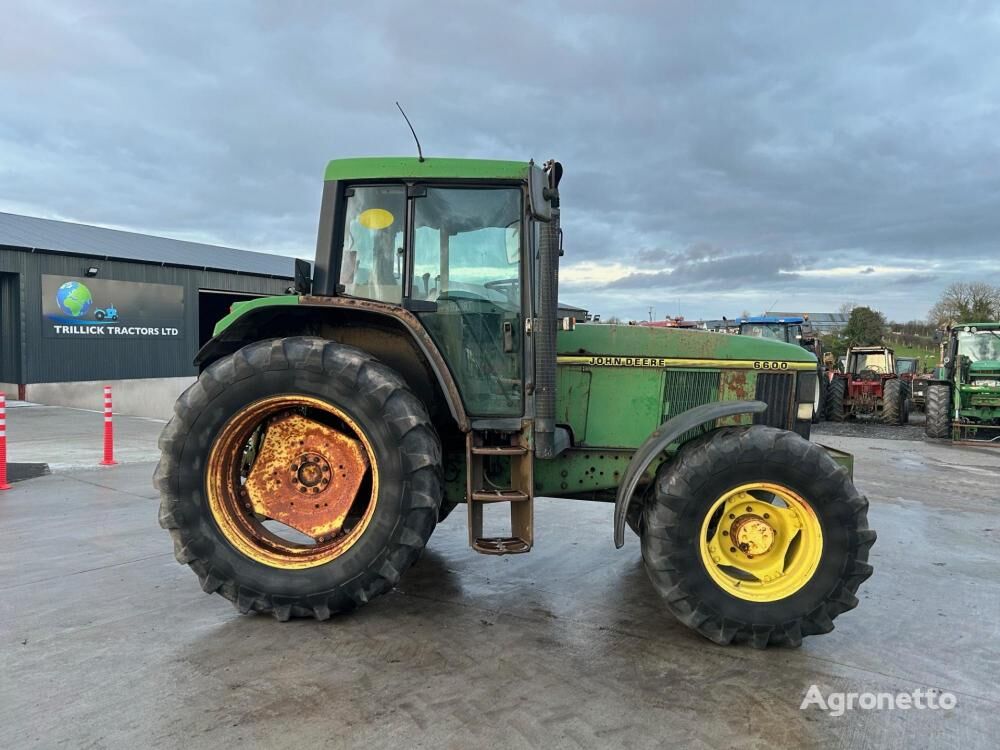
(836, 393)
(756, 535)
(299, 477)
(937, 406)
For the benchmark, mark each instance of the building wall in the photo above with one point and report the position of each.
(149, 397)
(62, 360)
(10, 328)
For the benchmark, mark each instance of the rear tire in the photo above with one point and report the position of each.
(835, 394)
(706, 469)
(893, 402)
(937, 407)
(406, 461)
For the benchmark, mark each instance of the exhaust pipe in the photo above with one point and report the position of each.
(548, 319)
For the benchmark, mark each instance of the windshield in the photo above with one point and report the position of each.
(979, 346)
(764, 330)
(905, 366)
(875, 361)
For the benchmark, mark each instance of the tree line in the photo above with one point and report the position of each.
(968, 301)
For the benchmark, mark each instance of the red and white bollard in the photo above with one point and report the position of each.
(109, 431)
(3, 442)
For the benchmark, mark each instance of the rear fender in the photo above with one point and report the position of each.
(663, 436)
(277, 317)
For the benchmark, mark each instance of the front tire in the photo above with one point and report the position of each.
(768, 481)
(937, 406)
(320, 391)
(836, 392)
(819, 406)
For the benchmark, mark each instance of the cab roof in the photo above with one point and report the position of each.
(982, 326)
(402, 167)
(771, 319)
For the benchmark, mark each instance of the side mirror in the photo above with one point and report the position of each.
(538, 183)
(303, 277)
(938, 337)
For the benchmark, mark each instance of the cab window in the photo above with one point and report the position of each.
(372, 257)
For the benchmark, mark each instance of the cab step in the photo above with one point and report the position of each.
(500, 496)
(499, 450)
(485, 461)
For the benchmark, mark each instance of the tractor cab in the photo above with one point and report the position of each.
(791, 330)
(907, 366)
(871, 362)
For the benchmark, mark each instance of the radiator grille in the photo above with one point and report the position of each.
(686, 389)
(776, 390)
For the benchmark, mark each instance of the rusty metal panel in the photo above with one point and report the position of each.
(306, 476)
(737, 385)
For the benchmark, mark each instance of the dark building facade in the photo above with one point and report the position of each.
(85, 303)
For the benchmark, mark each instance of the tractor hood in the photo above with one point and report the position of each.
(595, 340)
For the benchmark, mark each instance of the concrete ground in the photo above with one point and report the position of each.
(67, 438)
(106, 642)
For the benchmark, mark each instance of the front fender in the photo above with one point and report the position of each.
(658, 441)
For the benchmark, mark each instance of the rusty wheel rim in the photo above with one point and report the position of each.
(299, 462)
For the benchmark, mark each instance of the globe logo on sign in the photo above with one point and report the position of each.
(74, 298)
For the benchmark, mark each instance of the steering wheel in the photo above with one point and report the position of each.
(869, 373)
(507, 286)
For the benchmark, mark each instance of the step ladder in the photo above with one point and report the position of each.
(493, 449)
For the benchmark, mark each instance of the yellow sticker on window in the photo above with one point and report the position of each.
(375, 218)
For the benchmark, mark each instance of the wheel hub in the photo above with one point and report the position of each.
(310, 472)
(306, 476)
(752, 534)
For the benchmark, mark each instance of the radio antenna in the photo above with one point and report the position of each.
(420, 153)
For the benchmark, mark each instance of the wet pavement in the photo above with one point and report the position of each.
(105, 641)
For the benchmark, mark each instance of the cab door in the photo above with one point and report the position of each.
(466, 281)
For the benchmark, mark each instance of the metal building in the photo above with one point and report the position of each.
(80, 304)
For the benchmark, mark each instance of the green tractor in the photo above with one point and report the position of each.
(422, 364)
(963, 397)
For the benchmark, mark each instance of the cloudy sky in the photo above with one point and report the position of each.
(719, 157)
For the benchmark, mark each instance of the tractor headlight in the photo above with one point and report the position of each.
(805, 412)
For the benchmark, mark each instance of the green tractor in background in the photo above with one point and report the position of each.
(963, 396)
(422, 364)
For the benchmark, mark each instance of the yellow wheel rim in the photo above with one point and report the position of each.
(292, 481)
(761, 542)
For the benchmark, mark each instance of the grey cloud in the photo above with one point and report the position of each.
(702, 266)
(820, 135)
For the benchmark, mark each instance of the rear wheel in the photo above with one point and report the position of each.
(938, 409)
(299, 477)
(756, 535)
(894, 402)
(835, 394)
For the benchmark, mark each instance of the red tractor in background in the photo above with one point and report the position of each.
(869, 388)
